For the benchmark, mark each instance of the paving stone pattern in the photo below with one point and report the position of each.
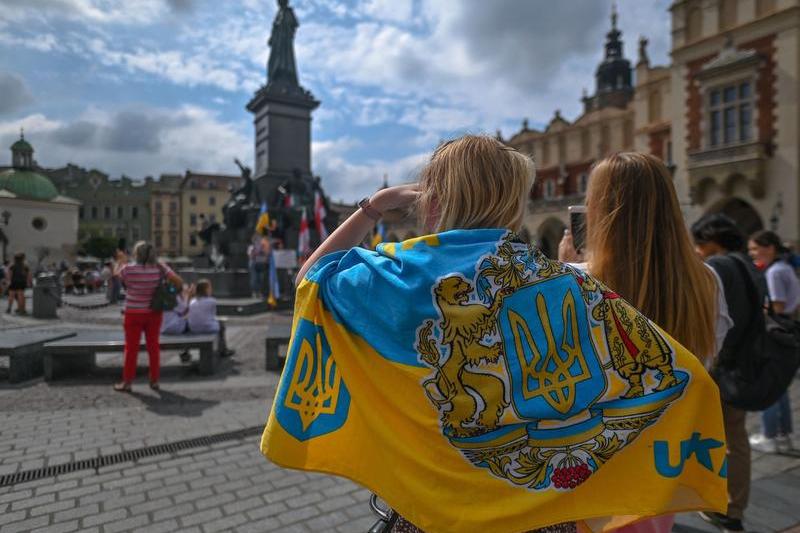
(228, 486)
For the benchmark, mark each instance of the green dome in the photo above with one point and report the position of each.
(22, 145)
(28, 185)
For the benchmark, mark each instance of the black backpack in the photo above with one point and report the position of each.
(765, 367)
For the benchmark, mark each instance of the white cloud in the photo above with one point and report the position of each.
(95, 11)
(390, 10)
(136, 142)
(344, 180)
(31, 123)
(43, 43)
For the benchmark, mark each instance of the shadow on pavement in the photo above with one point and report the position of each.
(168, 403)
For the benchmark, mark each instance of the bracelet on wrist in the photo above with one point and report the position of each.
(369, 210)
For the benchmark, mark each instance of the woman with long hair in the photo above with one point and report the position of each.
(141, 279)
(638, 245)
(464, 377)
(769, 252)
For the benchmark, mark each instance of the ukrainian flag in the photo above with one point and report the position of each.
(262, 225)
(378, 236)
(480, 386)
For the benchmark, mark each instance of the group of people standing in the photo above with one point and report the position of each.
(195, 311)
(637, 244)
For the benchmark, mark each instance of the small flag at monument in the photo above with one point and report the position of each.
(303, 239)
(274, 285)
(319, 216)
(263, 219)
(379, 236)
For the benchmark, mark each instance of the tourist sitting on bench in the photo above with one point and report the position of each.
(202, 315)
(174, 321)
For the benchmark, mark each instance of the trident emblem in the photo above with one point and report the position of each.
(550, 376)
(314, 388)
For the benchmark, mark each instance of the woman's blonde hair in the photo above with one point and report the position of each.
(144, 253)
(639, 246)
(475, 181)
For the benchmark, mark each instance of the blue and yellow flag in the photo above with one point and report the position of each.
(480, 386)
(262, 224)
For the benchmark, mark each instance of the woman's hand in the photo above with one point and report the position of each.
(398, 197)
(566, 249)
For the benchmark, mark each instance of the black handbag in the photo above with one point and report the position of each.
(764, 368)
(165, 297)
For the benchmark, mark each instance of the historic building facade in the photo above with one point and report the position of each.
(118, 209)
(723, 116)
(734, 84)
(565, 150)
(202, 199)
(34, 218)
(165, 212)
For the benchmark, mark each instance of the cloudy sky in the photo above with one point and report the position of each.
(145, 87)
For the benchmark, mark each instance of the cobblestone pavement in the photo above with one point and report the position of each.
(226, 486)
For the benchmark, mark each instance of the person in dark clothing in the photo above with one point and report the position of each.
(19, 279)
(720, 243)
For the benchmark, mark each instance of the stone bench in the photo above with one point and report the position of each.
(25, 349)
(277, 337)
(79, 352)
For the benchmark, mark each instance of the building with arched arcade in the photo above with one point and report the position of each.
(723, 116)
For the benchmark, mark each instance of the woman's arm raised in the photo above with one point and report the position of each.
(352, 232)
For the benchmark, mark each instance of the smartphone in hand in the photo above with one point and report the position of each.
(577, 226)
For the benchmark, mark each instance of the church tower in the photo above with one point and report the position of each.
(282, 110)
(613, 79)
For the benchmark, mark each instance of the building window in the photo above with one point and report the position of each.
(159, 240)
(212, 200)
(173, 241)
(134, 212)
(549, 189)
(94, 212)
(173, 222)
(158, 207)
(192, 220)
(173, 207)
(192, 240)
(39, 224)
(107, 212)
(730, 117)
(158, 221)
(80, 212)
(212, 184)
(193, 200)
(120, 212)
(583, 183)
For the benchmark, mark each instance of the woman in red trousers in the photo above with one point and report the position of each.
(141, 278)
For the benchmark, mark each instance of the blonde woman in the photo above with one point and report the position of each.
(460, 375)
(638, 245)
